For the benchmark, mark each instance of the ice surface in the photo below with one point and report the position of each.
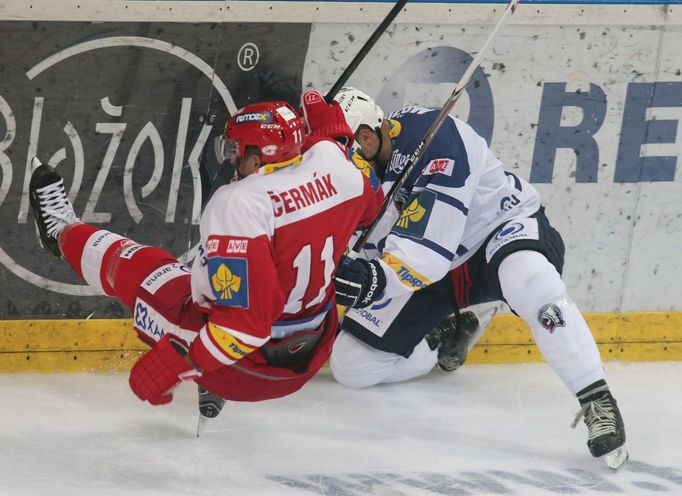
(486, 429)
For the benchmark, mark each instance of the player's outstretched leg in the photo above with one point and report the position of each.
(210, 406)
(52, 209)
(452, 337)
(605, 429)
(534, 290)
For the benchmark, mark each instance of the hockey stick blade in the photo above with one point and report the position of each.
(435, 126)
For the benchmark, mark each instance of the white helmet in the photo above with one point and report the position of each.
(359, 108)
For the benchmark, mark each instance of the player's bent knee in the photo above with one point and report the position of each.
(351, 363)
(529, 281)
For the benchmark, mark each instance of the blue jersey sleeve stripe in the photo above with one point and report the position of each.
(454, 202)
(517, 182)
(435, 247)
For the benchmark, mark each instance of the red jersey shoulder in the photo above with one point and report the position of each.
(311, 141)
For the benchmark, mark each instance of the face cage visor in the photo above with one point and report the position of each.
(226, 150)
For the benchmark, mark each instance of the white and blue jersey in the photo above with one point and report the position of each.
(452, 201)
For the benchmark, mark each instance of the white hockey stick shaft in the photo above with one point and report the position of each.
(435, 126)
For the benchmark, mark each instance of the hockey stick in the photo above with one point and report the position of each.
(207, 183)
(435, 126)
(345, 75)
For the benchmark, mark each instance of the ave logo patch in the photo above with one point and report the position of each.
(439, 166)
(229, 281)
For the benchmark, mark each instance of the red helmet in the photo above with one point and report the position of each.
(273, 127)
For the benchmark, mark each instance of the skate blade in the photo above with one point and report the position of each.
(201, 424)
(616, 458)
(483, 322)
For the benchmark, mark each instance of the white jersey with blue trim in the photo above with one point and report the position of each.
(454, 198)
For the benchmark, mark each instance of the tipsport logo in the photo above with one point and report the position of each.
(146, 157)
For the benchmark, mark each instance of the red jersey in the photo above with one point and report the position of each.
(269, 246)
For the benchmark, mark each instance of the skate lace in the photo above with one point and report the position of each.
(57, 211)
(599, 418)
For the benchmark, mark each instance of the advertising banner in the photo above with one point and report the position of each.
(590, 114)
(127, 113)
(583, 101)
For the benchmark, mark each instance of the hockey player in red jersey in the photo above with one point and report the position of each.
(254, 318)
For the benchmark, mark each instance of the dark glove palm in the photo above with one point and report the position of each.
(358, 283)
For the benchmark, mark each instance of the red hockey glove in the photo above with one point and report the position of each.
(323, 119)
(154, 376)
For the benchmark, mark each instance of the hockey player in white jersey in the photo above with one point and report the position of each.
(461, 231)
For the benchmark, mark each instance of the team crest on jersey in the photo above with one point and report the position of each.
(229, 281)
(415, 216)
(550, 317)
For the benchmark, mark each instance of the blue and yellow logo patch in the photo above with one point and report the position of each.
(415, 215)
(366, 169)
(229, 281)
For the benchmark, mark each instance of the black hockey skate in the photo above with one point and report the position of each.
(452, 337)
(210, 406)
(605, 429)
(52, 210)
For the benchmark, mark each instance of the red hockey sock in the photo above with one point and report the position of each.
(109, 262)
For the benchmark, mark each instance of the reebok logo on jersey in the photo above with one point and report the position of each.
(439, 166)
(315, 191)
(229, 281)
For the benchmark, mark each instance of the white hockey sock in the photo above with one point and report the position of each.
(93, 256)
(534, 290)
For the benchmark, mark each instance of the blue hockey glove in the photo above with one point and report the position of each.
(359, 283)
